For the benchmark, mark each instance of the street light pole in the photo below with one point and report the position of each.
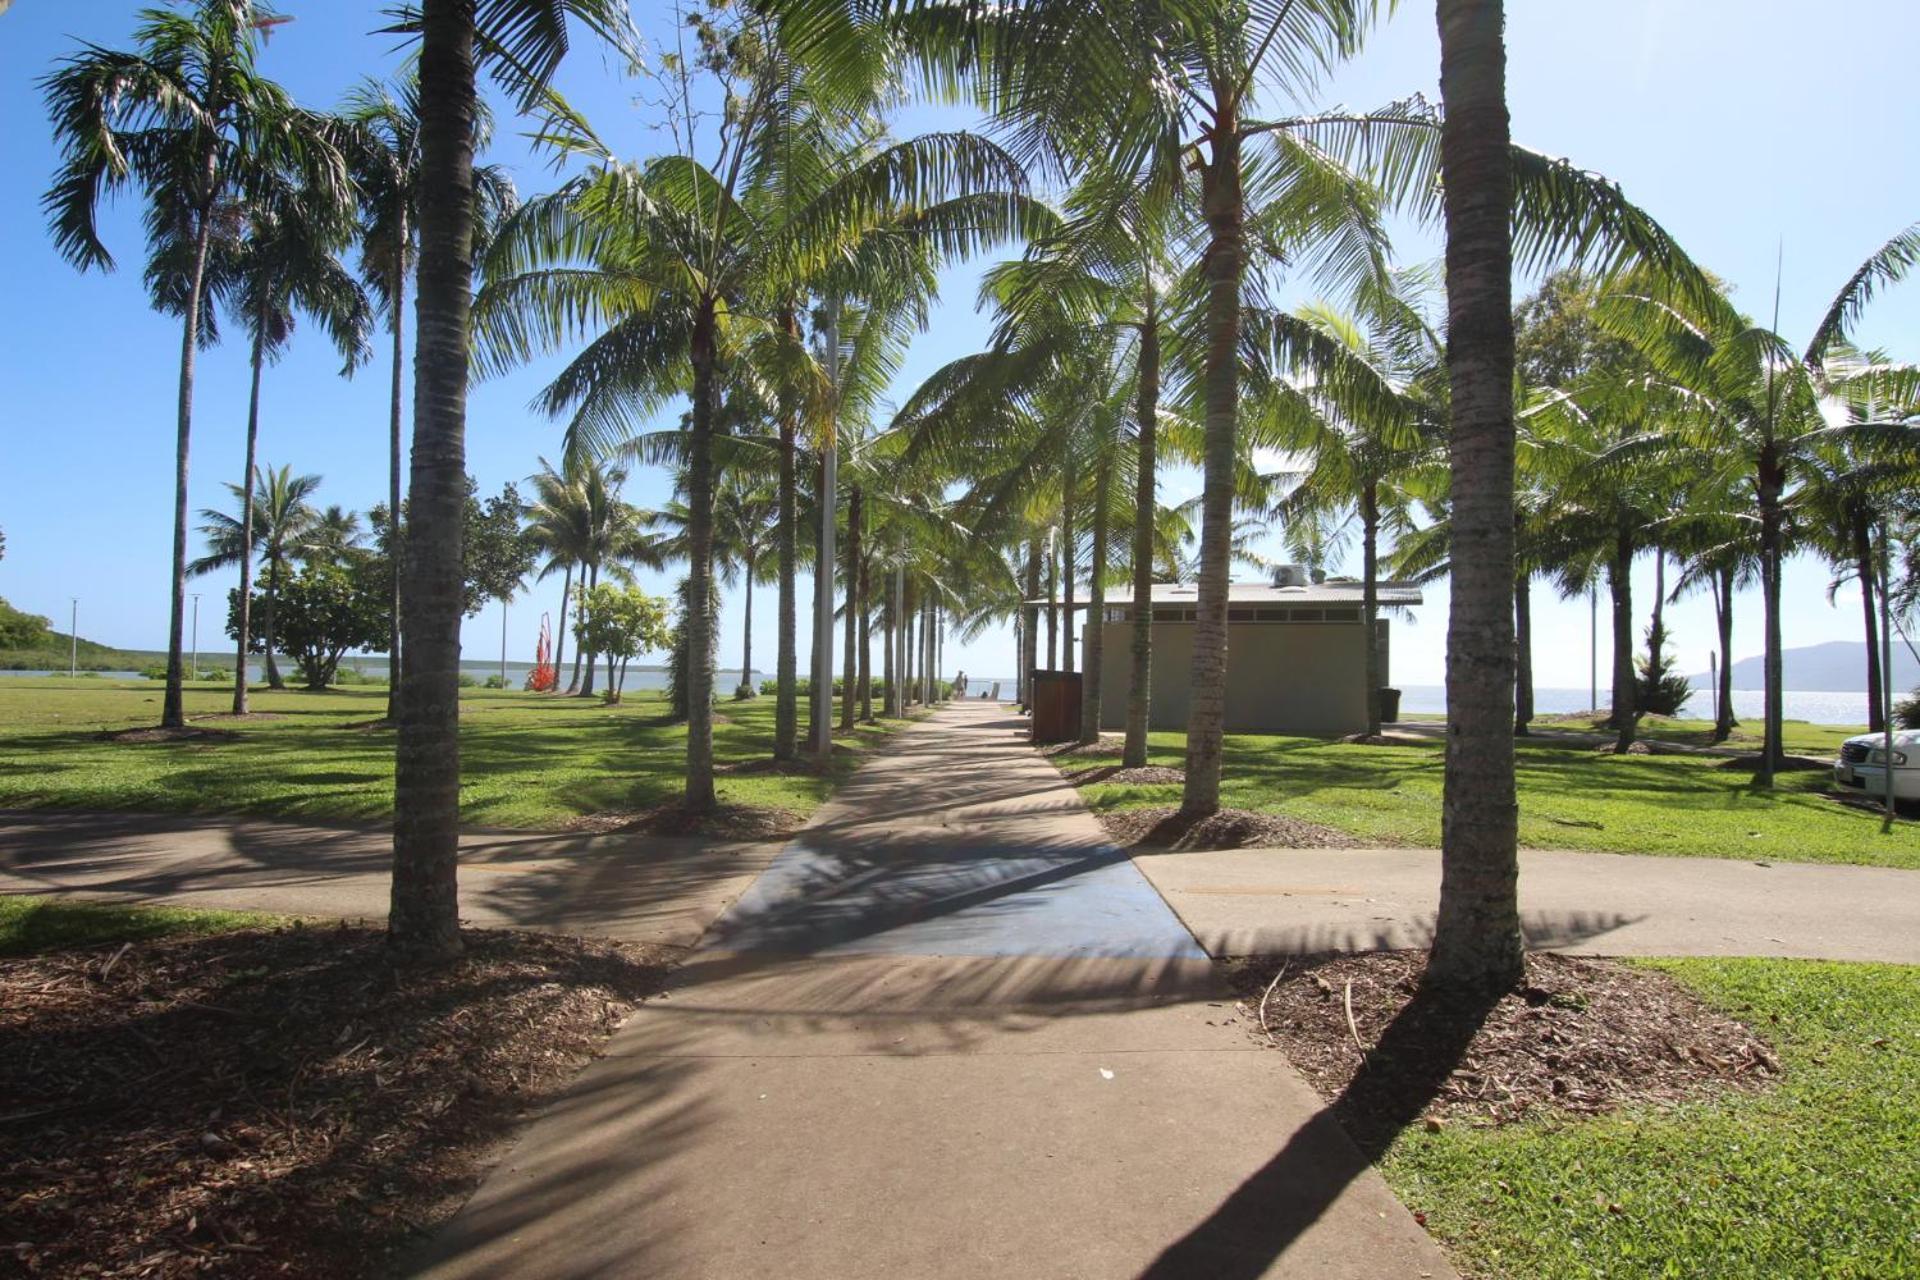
(1593, 649)
(194, 670)
(73, 639)
(503, 642)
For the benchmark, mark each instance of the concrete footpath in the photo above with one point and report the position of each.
(639, 888)
(1295, 901)
(950, 1032)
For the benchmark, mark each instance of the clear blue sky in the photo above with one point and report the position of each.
(1742, 124)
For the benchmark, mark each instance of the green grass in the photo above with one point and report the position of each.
(30, 925)
(527, 760)
(1820, 1177)
(1570, 798)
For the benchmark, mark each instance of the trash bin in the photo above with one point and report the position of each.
(1389, 704)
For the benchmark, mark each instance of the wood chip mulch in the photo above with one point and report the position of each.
(1167, 828)
(671, 818)
(277, 1101)
(1108, 744)
(1581, 1036)
(221, 717)
(1152, 774)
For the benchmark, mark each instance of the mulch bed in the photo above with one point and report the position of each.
(1108, 744)
(1788, 764)
(671, 818)
(248, 717)
(277, 1101)
(188, 733)
(1148, 774)
(1167, 828)
(1581, 1036)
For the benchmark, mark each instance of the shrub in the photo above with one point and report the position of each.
(495, 682)
(157, 672)
(468, 682)
(216, 675)
(1906, 712)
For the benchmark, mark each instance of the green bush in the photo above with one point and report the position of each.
(151, 673)
(1906, 712)
(215, 675)
(495, 682)
(468, 682)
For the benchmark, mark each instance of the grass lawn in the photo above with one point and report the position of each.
(1820, 1177)
(528, 760)
(1570, 798)
(30, 925)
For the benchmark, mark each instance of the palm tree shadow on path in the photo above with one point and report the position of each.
(1406, 1070)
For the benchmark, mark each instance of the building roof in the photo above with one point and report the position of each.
(1397, 594)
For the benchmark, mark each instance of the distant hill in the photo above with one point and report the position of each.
(1838, 666)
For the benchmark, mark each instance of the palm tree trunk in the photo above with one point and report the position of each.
(1069, 562)
(246, 521)
(850, 660)
(580, 612)
(173, 707)
(700, 791)
(560, 641)
(1657, 630)
(1863, 568)
(1771, 483)
(424, 920)
(1140, 677)
(269, 611)
(1723, 606)
(1223, 203)
(579, 619)
(746, 638)
(786, 663)
(866, 644)
(397, 287)
(908, 654)
(1624, 718)
(1370, 597)
(1477, 942)
(1030, 638)
(1096, 648)
(1522, 654)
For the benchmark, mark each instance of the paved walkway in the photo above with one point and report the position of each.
(949, 1033)
(641, 888)
(1286, 901)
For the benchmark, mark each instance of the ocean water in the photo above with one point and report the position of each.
(1812, 705)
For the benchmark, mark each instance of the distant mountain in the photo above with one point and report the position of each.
(1838, 666)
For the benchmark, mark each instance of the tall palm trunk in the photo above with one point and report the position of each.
(700, 791)
(1864, 569)
(850, 661)
(1140, 676)
(246, 521)
(397, 288)
(425, 917)
(1069, 562)
(866, 644)
(1626, 686)
(746, 637)
(1522, 654)
(173, 707)
(1370, 598)
(1096, 650)
(1477, 942)
(580, 612)
(908, 653)
(1657, 630)
(560, 641)
(1223, 203)
(1030, 638)
(579, 607)
(1772, 481)
(269, 615)
(1723, 608)
(786, 662)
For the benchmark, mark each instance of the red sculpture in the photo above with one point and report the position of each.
(544, 677)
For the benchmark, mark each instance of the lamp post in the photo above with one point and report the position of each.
(503, 641)
(193, 672)
(1593, 649)
(73, 639)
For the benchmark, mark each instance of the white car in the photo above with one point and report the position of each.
(1862, 765)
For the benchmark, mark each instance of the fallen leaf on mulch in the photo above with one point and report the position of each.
(277, 1101)
(1168, 828)
(671, 818)
(1580, 1035)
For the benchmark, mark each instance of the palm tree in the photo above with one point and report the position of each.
(382, 146)
(287, 264)
(523, 41)
(187, 117)
(282, 521)
(1476, 941)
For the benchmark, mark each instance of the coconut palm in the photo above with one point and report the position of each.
(282, 521)
(382, 146)
(186, 117)
(286, 265)
(522, 42)
(579, 522)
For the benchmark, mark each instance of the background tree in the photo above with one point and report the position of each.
(621, 621)
(282, 521)
(187, 117)
(324, 610)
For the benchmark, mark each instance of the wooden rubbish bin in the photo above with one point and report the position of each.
(1056, 706)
